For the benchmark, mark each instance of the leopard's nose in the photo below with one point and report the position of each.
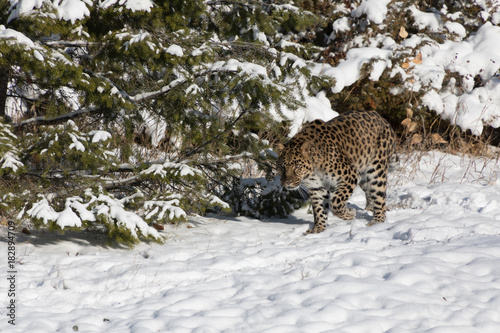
(282, 180)
(285, 184)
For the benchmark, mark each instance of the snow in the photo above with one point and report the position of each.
(284, 44)
(10, 161)
(76, 143)
(423, 20)
(457, 28)
(43, 211)
(82, 209)
(9, 158)
(104, 206)
(341, 25)
(182, 169)
(38, 55)
(216, 201)
(68, 218)
(175, 50)
(98, 136)
(244, 68)
(23, 7)
(130, 220)
(375, 10)
(259, 35)
(349, 70)
(297, 61)
(6, 33)
(169, 206)
(133, 5)
(466, 103)
(433, 266)
(72, 10)
(316, 107)
(479, 56)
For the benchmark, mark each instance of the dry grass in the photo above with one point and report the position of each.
(461, 157)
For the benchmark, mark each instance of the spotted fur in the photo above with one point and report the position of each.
(331, 158)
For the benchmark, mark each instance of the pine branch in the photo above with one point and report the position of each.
(153, 94)
(144, 96)
(44, 120)
(130, 181)
(122, 92)
(215, 138)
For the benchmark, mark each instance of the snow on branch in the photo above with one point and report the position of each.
(10, 161)
(230, 66)
(105, 206)
(152, 94)
(74, 10)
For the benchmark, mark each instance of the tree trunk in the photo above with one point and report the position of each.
(4, 85)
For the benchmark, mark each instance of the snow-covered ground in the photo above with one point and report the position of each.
(434, 266)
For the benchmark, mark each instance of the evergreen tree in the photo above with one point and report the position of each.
(132, 113)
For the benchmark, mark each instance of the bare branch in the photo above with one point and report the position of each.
(44, 120)
(114, 184)
(65, 43)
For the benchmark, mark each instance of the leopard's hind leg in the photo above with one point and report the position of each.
(374, 184)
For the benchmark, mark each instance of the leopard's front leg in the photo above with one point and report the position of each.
(320, 200)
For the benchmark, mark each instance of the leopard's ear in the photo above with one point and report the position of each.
(279, 147)
(305, 149)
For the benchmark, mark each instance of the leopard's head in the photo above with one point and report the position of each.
(294, 163)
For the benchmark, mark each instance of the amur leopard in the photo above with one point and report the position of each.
(330, 158)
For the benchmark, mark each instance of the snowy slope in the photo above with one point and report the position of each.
(434, 266)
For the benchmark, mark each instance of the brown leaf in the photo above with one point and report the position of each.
(410, 125)
(413, 126)
(416, 138)
(406, 123)
(403, 33)
(418, 58)
(405, 65)
(409, 112)
(437, 139)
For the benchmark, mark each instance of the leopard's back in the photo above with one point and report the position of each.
(362, 136)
